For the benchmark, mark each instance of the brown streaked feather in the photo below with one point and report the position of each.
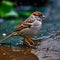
(24, 25)
(20, 27)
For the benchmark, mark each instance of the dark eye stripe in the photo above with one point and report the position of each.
(40, 14)
(35, 14)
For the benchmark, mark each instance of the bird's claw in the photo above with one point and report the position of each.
(29, 43)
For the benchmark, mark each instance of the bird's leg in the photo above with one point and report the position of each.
(29, 41)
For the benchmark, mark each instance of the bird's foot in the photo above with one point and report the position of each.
(29, 42)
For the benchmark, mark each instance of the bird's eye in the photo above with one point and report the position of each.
(40, 14)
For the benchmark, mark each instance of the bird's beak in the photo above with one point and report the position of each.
(43, 16)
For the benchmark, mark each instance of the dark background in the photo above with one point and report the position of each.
(29, 2)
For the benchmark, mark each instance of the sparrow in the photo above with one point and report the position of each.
(28, 28)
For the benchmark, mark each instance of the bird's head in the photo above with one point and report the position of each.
(38, 15)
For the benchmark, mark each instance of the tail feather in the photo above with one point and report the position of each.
(14, 33)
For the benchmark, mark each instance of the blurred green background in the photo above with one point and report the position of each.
(13, 12)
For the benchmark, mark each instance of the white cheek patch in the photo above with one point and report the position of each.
(35, 17)
(39, 19)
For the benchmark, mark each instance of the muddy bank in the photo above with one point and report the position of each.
(7, 53)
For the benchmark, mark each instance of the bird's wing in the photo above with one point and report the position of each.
(24, 25)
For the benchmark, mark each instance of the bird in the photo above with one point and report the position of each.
(28, 28)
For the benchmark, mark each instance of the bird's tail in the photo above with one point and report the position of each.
(12, 34)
